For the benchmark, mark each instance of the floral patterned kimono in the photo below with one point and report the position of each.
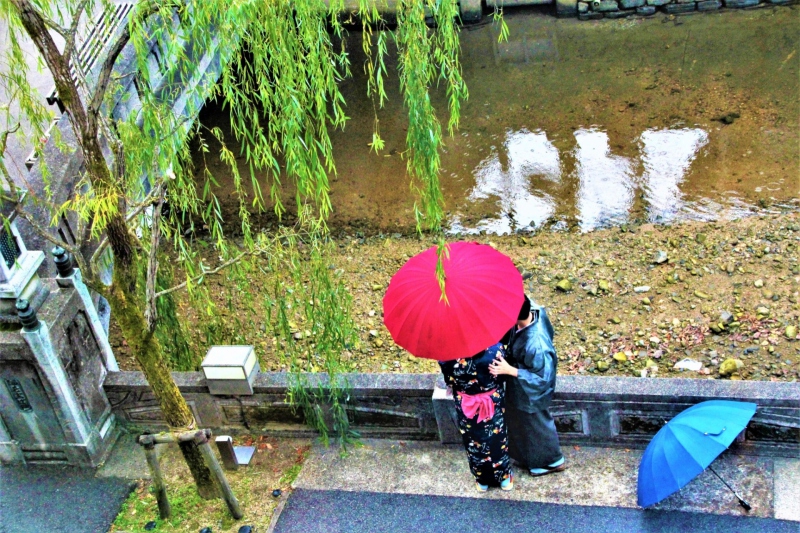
(479, 393)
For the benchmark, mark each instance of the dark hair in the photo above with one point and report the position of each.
(526, 309)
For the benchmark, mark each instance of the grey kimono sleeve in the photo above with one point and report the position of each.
(536, 363)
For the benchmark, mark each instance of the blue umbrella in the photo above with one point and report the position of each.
(687, 445)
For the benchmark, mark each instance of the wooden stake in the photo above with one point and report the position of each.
(158, 482)
(201, 438)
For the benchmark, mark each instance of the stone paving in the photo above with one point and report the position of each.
(595, 477)
(321, 511)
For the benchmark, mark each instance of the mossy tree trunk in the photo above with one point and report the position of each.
(122, 296)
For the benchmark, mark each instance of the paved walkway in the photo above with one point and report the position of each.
(312, 511)
(410, 484)
(596, 477)
(59, 499)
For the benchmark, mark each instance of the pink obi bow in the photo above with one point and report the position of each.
(480, 404)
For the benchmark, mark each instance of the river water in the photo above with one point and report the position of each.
(574, 124)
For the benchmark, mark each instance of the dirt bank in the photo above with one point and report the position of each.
(638, 299)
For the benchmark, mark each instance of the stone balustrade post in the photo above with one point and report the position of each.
(68, 408)
(69, 276)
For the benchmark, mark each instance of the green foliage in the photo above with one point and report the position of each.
(290, 475)
(312, 301)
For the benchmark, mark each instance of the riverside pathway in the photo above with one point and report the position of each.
(421, 487)
(312, 511)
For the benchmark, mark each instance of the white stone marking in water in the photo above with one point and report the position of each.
(511, 174)
(606, 182)
(667, 157)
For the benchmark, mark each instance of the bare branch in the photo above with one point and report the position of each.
(151, 312)
(4, 139)
(149, 200)
(36, 27)
(108, 64)
(223, 266)
(53, 25)
(69, 46)
(105, 73)
(41, 230)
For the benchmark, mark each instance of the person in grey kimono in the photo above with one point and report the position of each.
(531, 369)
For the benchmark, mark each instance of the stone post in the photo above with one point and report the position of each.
(445, 412)
(37, 335)
(471, 11)
(69, 276)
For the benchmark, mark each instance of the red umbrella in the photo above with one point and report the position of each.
(484, 295)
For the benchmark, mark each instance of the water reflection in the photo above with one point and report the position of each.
(605, 184)
(514, 175)
(667, 156)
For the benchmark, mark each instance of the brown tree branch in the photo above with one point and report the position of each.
(149, 200)
(41, 230)
(108, 64)
(101, 86)
(69, 46)
(151, 311)
(34, 23)
(223, 266)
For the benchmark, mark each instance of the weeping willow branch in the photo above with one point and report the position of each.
(205, 273)
(71, 33)
(280, 76)
(424, 131)
(151, 311)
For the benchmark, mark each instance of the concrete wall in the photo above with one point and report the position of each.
(597, 411)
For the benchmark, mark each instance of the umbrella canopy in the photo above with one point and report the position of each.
(484, 296)
(684, 447)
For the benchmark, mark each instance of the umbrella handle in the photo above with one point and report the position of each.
(743, 503)
(746, 506)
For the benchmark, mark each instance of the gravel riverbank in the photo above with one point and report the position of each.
(633, 301)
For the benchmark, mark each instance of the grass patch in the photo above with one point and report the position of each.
(276, 464)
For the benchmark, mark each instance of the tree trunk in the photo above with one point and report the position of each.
(149, 355)
(122, 295)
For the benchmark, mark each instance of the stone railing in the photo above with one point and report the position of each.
(596, 411)
(598, 9)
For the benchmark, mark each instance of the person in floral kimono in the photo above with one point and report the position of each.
(480, 408)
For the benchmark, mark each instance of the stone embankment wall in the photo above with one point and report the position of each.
(589, 410)
(614, 9)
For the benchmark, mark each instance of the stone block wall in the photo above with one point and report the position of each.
(589, 410)
(381, 405)
(612, 9)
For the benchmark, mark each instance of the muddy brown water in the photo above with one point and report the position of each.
(588, 124)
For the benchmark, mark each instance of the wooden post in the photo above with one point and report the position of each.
(158, 482)
(201, 438)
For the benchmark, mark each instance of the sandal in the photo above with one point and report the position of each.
(558, 466)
